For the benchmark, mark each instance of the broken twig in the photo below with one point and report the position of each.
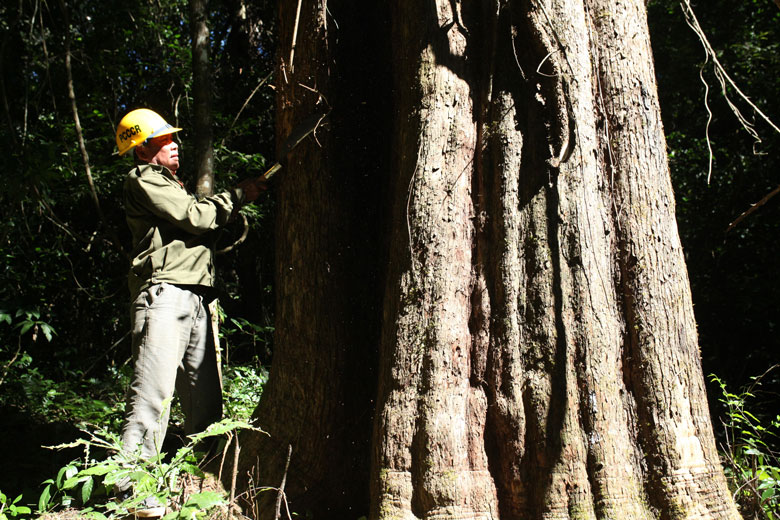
(281, 486)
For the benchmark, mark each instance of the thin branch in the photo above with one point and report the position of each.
(711, 154)
(26, 111)
(79, 133)
(320, 94)
(84, 289)
(281, 486)
(753, 207)
(51, 90)
(11, 362)
(74, 108)
(224, 455)
(6, 107)
(723, 77)
(513, 33)
(236, 451)
(253, 488)
(287, 508)
(54, 219)
(105, 355)
(262, 82)
(541, 63)
(295, 35)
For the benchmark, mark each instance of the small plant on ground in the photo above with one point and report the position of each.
(12, 509)
(752, 463)
(90, 484)
(243, 386)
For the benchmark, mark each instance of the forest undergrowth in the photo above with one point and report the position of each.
(62, 450)
(65, 456)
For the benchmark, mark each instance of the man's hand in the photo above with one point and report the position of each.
(252, 188)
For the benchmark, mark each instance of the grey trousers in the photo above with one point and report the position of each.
(173, 347)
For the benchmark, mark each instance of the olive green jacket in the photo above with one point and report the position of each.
(173, 231)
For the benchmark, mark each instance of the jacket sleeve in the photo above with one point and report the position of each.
(164, 199)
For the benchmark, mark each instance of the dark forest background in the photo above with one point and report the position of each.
(64, 347)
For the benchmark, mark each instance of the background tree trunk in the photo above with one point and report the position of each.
(321, 389)
(537, 350)
(203, 145)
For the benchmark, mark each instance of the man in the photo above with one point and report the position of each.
(171, 285)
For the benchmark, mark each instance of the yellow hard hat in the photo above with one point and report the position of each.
(138, 126)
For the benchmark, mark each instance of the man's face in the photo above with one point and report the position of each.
(161, 150)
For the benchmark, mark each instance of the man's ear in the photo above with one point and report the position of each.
(143, 153)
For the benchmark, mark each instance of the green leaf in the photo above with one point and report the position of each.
(192, 469)
(100, 469)
(27, 325)
(112, 478)
(73, 482)
(157, 458)
(186, 512)
(206, 500)
(222, 427)
(64, 473)
(86, 490)
(43, 501)
(47, 331)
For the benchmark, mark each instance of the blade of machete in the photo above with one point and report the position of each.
(298, 134)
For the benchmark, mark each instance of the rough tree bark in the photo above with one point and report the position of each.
(521, 274)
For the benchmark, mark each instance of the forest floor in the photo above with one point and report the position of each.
(30, 459)
(188, 486)
(40, 418)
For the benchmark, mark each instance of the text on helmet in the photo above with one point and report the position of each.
(130, 132)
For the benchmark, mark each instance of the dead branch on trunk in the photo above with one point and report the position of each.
(753, 207)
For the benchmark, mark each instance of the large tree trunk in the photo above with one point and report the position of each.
(537, 350)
